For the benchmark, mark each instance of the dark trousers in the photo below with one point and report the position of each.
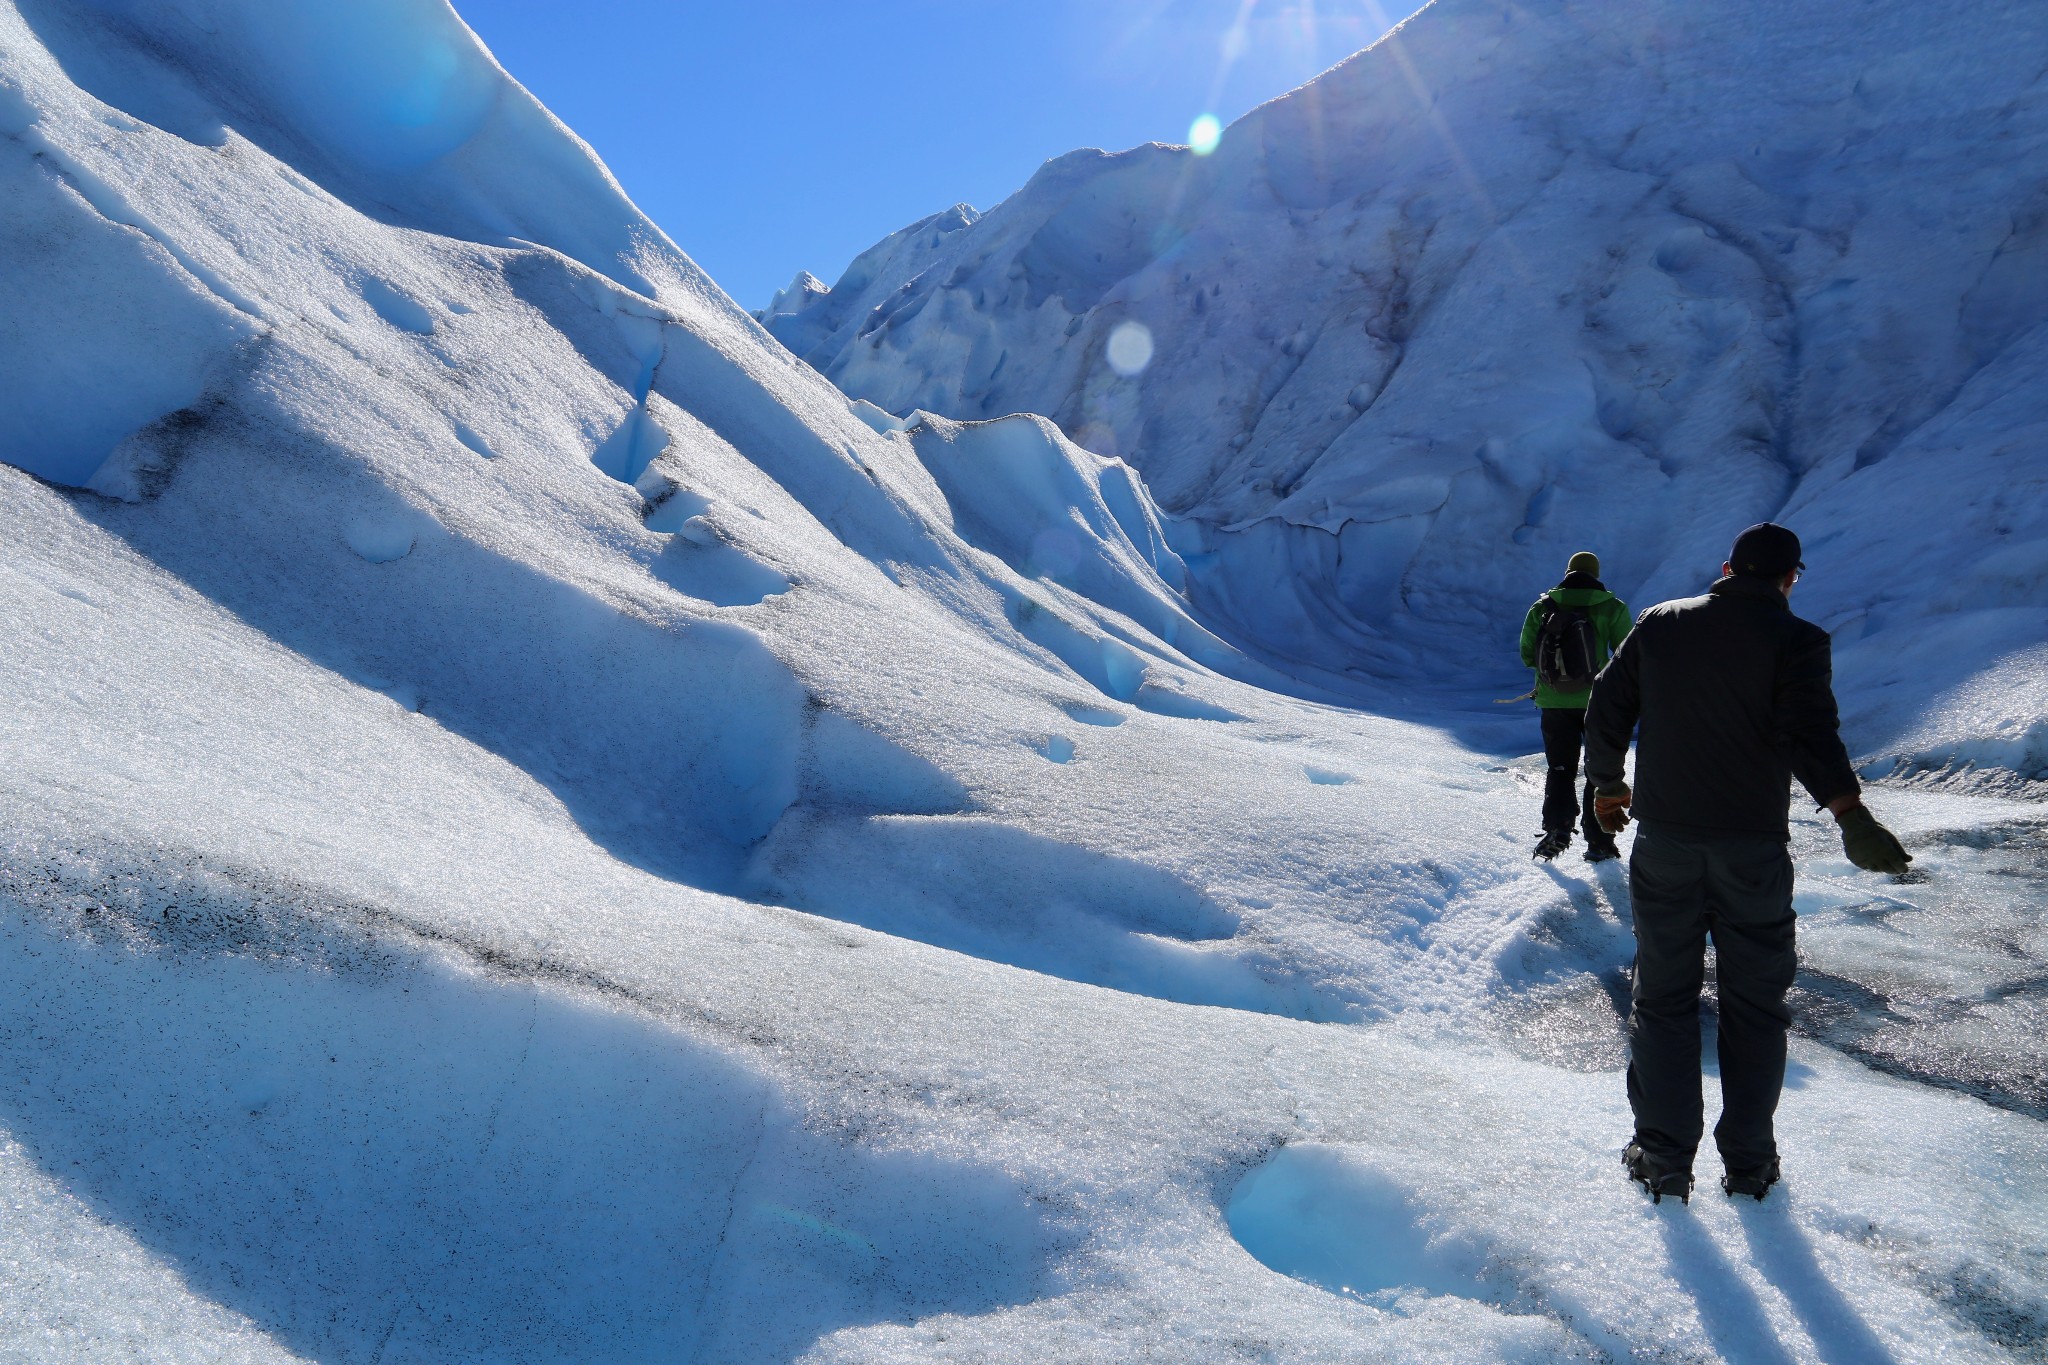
(1564, 736)
(1738, 891)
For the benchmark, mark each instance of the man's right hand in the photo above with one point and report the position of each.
(1610, 805)
(1870, 845)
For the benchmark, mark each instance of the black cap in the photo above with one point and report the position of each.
(1765, 550)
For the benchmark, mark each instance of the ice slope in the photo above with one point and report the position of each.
(1528, 278)
(532, 829)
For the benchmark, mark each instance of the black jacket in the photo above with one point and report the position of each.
(1735, 697)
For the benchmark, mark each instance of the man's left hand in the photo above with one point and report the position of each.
(1870, 845)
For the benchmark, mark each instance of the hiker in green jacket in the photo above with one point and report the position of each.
(1569, 635)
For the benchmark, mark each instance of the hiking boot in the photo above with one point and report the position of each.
(1656, 1182)
(1552, 843)
(1601, 853)
(1755, 1182)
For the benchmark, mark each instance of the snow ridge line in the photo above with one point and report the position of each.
(292, 921)
(108, 202)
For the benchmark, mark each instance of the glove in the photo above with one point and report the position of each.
(1610, 805)
(1870, 845)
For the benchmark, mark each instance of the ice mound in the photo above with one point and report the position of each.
(1084, 530)
(1993, 725)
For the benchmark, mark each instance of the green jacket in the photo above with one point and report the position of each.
(1610, 627)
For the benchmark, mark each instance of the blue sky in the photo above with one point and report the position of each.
(769, 136)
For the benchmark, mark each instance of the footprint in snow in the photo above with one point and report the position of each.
(399, 309)
(1315, 1213)
(379, 539)
(1164, 701)
(468, 437)
(1054, 748)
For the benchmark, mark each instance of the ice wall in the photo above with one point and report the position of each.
(1529, 278)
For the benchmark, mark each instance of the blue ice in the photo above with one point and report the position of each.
(1314, 1213)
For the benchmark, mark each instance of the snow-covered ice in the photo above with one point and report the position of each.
(533, 828)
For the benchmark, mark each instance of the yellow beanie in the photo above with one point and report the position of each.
(1586, 562)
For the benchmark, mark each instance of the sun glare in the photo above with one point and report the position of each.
(1205, 134)
(1130, 349)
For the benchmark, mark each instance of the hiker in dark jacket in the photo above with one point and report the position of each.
(1734, 697)
(1564, 707)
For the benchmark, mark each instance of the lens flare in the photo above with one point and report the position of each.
(1205, 134)
(1130, 349)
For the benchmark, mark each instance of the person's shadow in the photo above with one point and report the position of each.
(1731, 1314)
(1785, 1256)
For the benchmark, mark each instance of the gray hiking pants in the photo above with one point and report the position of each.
(1738, 891)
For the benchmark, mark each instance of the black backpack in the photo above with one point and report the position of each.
(1567, 649)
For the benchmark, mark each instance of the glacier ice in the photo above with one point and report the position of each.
(805, 882)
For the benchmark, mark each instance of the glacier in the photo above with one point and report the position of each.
(1524, 279)
(533, 826)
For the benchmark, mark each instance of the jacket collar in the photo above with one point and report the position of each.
(1752, 589)
(1582, 580)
